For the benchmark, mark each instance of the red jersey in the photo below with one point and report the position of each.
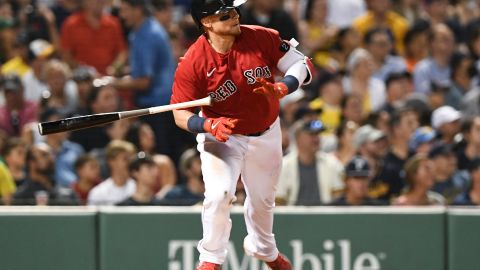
(230, 78)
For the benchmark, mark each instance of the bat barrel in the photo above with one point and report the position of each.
(75, 123)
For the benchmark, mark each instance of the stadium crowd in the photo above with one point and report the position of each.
(392, 118)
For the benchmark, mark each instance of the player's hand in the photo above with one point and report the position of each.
(278, 89)
(221, 127)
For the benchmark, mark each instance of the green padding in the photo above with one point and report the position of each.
(312, 239)
(464, 239)
(48, 242)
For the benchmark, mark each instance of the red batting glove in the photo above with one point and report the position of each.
(221, 127)
(278, 89)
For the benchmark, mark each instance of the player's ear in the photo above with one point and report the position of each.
(206, 22)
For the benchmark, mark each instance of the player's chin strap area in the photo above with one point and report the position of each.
(296, 64)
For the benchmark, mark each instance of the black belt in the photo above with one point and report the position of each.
(256, 134)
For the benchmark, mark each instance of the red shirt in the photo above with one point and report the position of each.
(97, 47)
(28, 114)
(230, 78)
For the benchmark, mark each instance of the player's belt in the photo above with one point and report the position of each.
(256, 134)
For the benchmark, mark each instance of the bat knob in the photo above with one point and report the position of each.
(40, 128)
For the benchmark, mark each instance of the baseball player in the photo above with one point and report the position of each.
(239, 136)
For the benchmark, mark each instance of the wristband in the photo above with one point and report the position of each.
(195, 124)
(291, 82)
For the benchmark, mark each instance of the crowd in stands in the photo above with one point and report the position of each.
(391, 118)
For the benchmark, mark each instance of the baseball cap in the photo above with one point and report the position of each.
(41, 48)
(422, 135)
(366, 133)
(357, 167)
(440, 149)
(443, 115)
(311, 126)
(11, 82)
(84, 73)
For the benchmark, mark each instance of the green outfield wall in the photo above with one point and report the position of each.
(165, 238)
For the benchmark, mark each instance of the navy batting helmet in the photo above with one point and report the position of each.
(202, 8)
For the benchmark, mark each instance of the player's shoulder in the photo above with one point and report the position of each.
(195, 55)
(74, 19)
(258, 30)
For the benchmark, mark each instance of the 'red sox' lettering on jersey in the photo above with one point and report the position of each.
(230, 78)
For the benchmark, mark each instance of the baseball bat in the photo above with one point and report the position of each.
(86, 121)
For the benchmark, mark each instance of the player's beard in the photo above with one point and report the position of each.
(230, 31)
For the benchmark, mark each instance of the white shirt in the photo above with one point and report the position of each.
(108, 193)
(341, 13)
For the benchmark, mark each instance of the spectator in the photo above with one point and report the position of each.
(357, 176)
(144, 170)
(402, 125)
(87, 169)
(83, 76)
(40, 166)
(347, 40)
(360, 82)
(352, 109)
(422, 140)
(152, 70)
(119, 186)
(472, 195)
(379, 43)
(92, 37)
(446, 121)
(65, 151)
(14, 156)
(462, 74)
(416, 44)
(471, 150)
(448, 181)
(398, 87)
(62, 93)
(142, 136)
(17, 112)
(316, 34)
(409, 9)
(435, 68)
(380, 14)
(63, 9)
(101, 99)
(7, 184)
(420, 179)
(439, 12)
(470, 103)
(192, 191)
(268, 14)
(345, 150)
(308, 176)
(167, 175)
(327, 104)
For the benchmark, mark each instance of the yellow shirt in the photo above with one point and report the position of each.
(320, 57)
(395, 22)
(330, 115)
(7, 184)
(15, 65)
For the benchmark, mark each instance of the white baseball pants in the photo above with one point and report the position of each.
(258, 160)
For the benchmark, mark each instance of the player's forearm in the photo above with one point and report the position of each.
(181, 118)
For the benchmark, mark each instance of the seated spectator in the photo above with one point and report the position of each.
(446, 121)
(87, 169)
(119, 186)
(17, 112)
(472, 195)
(144, 170)
(470, 102)
(309, 176)
(448, 181)
(422, 140)
(416, 45)
(83, 76)
(398, 86)
(347, 40)
(65, 151)
(371, 144)
(420, 178)
(345, 150)
(14, 154)
(192, 191)
(379, 43)
(167, 174)
(471, 135)
(40, 181)
(141, 135)
(7, 185)
(353, 110)
(62, 93)
(463, 71)
(357, 176)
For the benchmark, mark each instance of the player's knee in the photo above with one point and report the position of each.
(221, 200)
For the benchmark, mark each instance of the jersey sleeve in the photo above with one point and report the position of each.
(186, 86)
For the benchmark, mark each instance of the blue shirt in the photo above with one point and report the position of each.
(428, 71)
(65, 159)
(151, 56)
(392, 64)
